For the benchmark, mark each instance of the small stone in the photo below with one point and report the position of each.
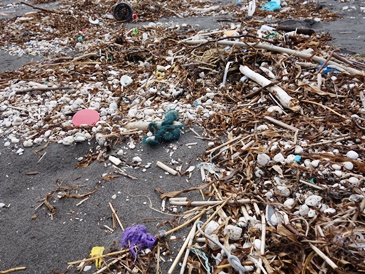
(348, 165)
(28, 143)
(263, 159)
(234, 232)
(20, 151)
(336, 167)
(354, 181)
(352, 155)
(120, 152)
(211, 227)
(114, 196)
(313, 200)
(213, 245)
(116, 161)
(6, 144)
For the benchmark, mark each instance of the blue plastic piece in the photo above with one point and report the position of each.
(327, 69)
(272, 5)
(297, 158)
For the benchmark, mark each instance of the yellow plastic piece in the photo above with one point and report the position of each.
(97, 251)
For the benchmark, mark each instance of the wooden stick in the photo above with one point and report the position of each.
(41, 89)
(318, 104)
(116, 216)
(281, 50)
(20, 268)
(37, 8)
(279, 123)
(215, 213)
(227, 143)
(99, 257)
(212, 203)
(166, 168)
(107, 266)
(187, 222)
(285, 100)
(177, 259)
(324, 256)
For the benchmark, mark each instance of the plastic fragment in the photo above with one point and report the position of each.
(97, 251)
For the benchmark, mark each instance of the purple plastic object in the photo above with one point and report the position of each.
(136, 237)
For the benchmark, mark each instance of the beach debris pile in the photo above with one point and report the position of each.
(282, 111)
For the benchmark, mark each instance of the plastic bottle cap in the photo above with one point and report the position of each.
(85, 117)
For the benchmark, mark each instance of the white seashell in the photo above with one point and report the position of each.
(211, 227)
(234, 232)
(125, 80)
(263, 159)
(298, 150)
(116, 161)
(69, 140)
(262, 127)
(356, 198)
(313, 200)
(257, 243)
(312, 213)
(303, 210)
(352, 155)
(283, 191)
(279, 158)
(289, 203)
(330, 210)
(354, 181)
(337, 173)
(136, 159)
(94, 22)
(315, 163)
(348, 165)
(336, 167)
(28, 143)
(275, 109)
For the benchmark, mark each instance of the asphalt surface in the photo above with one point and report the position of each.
(42, 242)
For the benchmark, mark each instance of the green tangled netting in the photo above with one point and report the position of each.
(168, 131)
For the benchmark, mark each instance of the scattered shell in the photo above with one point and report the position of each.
(125, 80)
(352, 155)
(348, 165)
(315, 163)
(289, 203)
(313, 200)
(136, 159)
(312, 213)
(279, 158)
(257, 243)
(354, 181)
(303, 210)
